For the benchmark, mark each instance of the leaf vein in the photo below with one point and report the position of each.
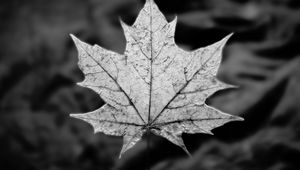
(128, 98)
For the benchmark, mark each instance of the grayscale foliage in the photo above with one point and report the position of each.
(154, 86)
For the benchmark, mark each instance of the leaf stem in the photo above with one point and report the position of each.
(148, 150)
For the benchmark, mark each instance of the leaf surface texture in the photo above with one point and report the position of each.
(154, 86)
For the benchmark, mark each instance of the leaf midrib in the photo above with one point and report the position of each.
(151, 62)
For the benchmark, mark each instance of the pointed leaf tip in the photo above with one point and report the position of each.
(78, 42)
(175, 19)
(72, 115)
(226, 38)
(75, 115)
(186, 151)
(80, 84)
(237, 118)
(73, 37)
(231, 34)
(122, 22)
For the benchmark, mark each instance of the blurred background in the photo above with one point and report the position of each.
(38, 75)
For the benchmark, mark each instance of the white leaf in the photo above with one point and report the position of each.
(154, 86)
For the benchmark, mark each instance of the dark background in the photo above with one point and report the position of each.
(38, 72)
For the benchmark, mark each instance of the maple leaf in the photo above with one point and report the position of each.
(154, 86)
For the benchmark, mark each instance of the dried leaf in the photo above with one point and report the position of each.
(154, 86)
